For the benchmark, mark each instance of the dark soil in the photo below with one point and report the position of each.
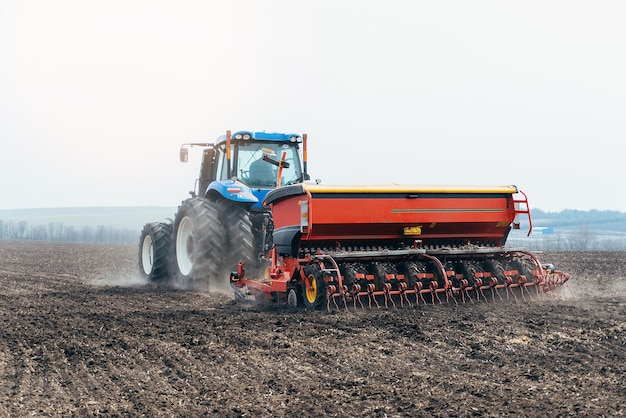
(82, 335)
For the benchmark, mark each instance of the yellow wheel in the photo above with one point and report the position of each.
(311, 291)
(314, 293)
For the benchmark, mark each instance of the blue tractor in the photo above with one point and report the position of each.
(224, 221)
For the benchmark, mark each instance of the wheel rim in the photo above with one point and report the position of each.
(184, 246)
(147, 254)
(311, 291)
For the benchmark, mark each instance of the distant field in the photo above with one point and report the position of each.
(116, 217)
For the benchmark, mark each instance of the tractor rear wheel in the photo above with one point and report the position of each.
(199, 243)
(155, 249)
(315, 294)
(241, 243)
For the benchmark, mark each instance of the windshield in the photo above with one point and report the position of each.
(255, 172)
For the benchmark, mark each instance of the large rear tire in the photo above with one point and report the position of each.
(155, 250)
(199, 244)
(240, 237)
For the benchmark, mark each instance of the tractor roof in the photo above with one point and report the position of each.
(262, 136)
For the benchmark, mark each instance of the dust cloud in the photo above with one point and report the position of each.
(133, 280)
(610, 290)
(215, 285)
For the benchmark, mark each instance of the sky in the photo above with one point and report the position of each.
(96, 97)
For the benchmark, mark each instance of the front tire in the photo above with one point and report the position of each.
(199, 243)
(155, 250)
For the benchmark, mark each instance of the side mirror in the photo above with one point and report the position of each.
(184, 155)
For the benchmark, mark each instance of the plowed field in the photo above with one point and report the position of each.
(82, 335)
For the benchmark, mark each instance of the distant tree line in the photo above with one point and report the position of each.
(57, 231)
(582, 239)
(574, 218)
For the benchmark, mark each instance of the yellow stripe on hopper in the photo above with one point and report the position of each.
(408, 188)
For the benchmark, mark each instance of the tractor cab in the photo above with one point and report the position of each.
(259, 160)
(258, 164)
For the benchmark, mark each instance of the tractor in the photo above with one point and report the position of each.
(225, 218)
